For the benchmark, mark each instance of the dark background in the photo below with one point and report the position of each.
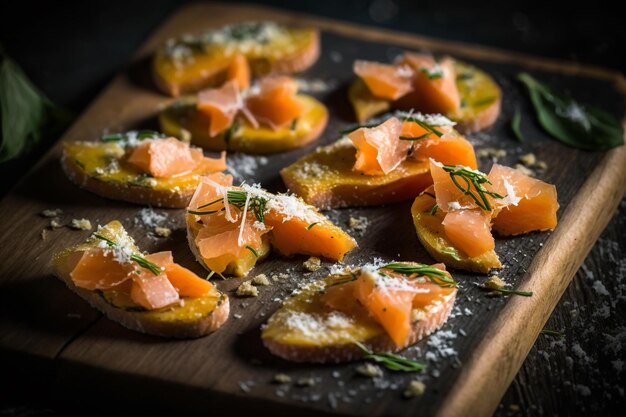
(71, 50)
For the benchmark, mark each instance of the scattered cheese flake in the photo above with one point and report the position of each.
(305, 382)
(246, 289)
(358, 224)
(80, 224)
(414, 389)
(312, 264)
(430, 119)
(44, 234)
(492, 153)
(55, 223)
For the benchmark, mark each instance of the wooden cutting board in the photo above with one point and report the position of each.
(49, 334)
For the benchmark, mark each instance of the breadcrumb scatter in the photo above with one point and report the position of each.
(492, 153)
(358, 224)
(521, 168)
(55, 223)
(312, 264)
(52, 213)
(369, 370)
(261, 279)
(44, 234)
(80, 224)
(247, 290)
(281, 379)
(305, 382)
(415, 389)
(494, 283)
(162, 231)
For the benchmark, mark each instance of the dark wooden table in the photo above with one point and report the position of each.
(572, 375)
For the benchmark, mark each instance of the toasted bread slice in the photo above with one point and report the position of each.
(183, 120)
(305, 329)
(480, 100)
(432, 235)
(326, 179)
(195, 62)
(102, 168)
(195, 317)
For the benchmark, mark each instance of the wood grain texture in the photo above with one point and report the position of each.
(95, 357)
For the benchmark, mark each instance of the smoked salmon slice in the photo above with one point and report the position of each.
(434, 88)
(276, 103)
(379, 149)
(98, 269)
(531, 204)
(383, 80)
(221, 105)
(239, 71)
(469, 231)
(166, 158)
(186, 282)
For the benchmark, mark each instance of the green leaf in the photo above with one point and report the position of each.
(26, 115)
(575, 124)
(516, 121)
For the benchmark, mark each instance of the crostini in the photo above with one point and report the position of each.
(142, 167)
(231, 228)
(462, 92)
(194, 62)
(269, 117)
(382, 308)
(454, 218)
(148, 293)
(380, 164)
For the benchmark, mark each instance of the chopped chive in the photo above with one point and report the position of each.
(309, 227)
(208, 277)
(433, 210)
(254, 252)
(554, 333)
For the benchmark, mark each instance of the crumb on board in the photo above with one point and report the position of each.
(52, 213)
(237, 316)
(281, 379)
(55, 223)
(162, 231)
(414, 389)
(369, 370)
(305, 382)
(493, 153)
(312, 264)
(514, 408)
(261, 279)
(246, 289)
(526, 171)
(358, 224)
(530, 161)
(279, 277)
(80, 224)
(494, 283)
(44, 234)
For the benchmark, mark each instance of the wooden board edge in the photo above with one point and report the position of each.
(495, 362)
(378, 34)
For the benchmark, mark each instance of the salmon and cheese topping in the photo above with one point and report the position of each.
(229, 225)
(110, 261)
(382, 148)
(272, 102)
(473, 203)
(385, 307)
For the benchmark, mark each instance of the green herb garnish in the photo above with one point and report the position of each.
(578, 125)
(391, 361)
(432, 74)
(311, 226)
(208, 277)
(554, 333)
(465, 76)
(472, 178)
(294, 123)
(230, 132)
(140, 179)
(141, 135)
(452, 253)
(254, 252)
(426, 126)
(516, 121)
(513, 292)
(139, 260)
(437, 276)
(433, 210)
(238, 199)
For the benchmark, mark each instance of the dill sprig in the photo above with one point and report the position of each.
(391, 361)
(139, 260)
(254, 252)
(237, 198)
(433, 210)
(554, 333)
(472, 178)
(437, 276)
(426, 126)
(341, 279)
(311, 226)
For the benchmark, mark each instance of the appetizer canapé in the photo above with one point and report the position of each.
(144, 292)
(142, 167)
